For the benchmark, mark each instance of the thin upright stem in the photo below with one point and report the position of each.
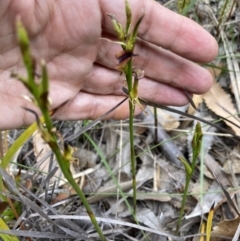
(133, 158)
(188, 179)
(131, 135)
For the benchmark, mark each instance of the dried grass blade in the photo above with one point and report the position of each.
(227, 195)
(34, 234)
(209, 223)
(233, 68)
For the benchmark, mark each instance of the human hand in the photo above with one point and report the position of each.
(67, 34)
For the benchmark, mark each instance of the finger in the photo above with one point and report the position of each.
(160, 65)
(13, 114)
(13, 96)
(88, 106)
(110, 83)
(83, 106)
(164, 66)
(165, 28)
(104, 81)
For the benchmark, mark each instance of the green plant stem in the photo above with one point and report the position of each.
(155, 124)
(63, 163)
(187, 182)
(131, 135)
(129, 75)
(133, 159)
(40, 92)
(65, 168)
(189, 168)
(128, 39)
(123, 195)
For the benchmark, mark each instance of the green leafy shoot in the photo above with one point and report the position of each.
(124, 57)
(128, 16)
(189, 168)
(39, 93)
(182, 5)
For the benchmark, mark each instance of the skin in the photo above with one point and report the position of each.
(81, 65)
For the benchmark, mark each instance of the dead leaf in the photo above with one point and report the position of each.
(195, 188)
(220, 103)
(157, 196)
(61, 196)
(211, 164)
(41, 152)
(83, 158)
(225, 228)
(3, 206)
(148, 218)
(110, 188)
(232, 165)
(167, 120)
(197, 100)
(115, 206)
(214, 195)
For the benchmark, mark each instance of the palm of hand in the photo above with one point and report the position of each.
(81, 66)
(67, 40)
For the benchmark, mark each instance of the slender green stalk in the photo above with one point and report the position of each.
(182, 4)
(108, 168)
(225, 12)
(133, 159)
(64, 165)
(184, 198)
(131, 135)
(128, 40)
(39, 92)
(189, 168)
(101, 155)
(155, 124)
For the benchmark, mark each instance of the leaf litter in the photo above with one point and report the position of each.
(51, 211)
